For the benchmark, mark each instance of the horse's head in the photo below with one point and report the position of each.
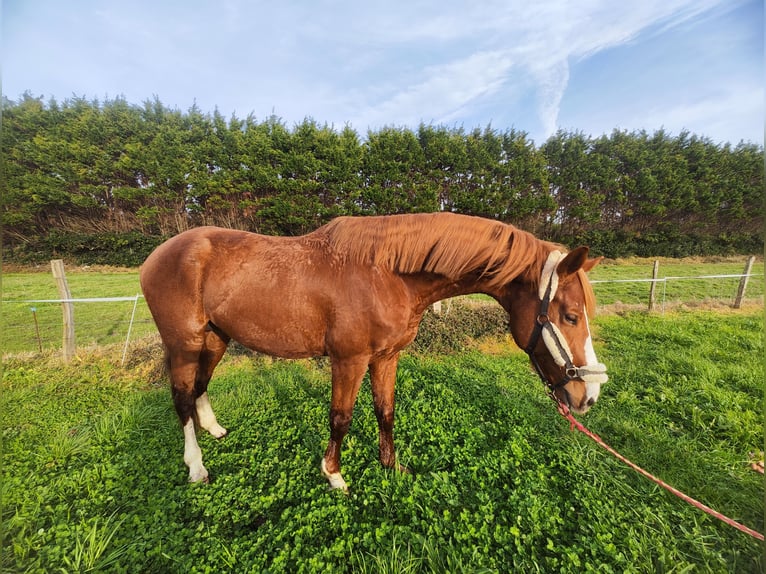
(549, 320)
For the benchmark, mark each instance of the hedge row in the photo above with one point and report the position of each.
(130, 249)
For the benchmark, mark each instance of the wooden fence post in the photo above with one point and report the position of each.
(653, 288)
(57, 265)
(743, 282)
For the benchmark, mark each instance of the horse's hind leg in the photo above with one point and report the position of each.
(184, 365)
(191, 368)
(215, 347)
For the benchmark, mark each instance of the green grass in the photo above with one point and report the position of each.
(93, 477)
(99, 323)
(674, 291)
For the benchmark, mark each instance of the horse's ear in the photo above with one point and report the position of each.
(572, 262)
(591, 263)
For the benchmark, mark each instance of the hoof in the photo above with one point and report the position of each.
(218, 432)
(335, 479)
(200, 475)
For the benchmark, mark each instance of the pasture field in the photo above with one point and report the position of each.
(107, 323)
(681, 287)
(93, 477)
(99, 323)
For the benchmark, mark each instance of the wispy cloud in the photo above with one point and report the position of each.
(435, 61)
(552, 82)
(367, 63)
(442, 92)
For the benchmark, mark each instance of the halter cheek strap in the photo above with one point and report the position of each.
(553, 338)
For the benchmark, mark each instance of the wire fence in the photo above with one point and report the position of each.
(36, 325)
(674, 291)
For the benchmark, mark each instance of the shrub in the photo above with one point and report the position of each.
(121, 249)
(668, 242)
(453, 329)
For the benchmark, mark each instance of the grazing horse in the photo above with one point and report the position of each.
(355, 290)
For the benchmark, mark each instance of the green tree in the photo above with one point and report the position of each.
(575, 183)
(86, 167)
(445, 161)
(393, 175)
(525, 178)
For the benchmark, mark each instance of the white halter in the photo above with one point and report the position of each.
(552, 336)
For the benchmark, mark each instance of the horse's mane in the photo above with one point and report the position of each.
(444, 244)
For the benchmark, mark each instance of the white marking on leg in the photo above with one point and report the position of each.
(334, 478)
(206, 417)
(193, 454)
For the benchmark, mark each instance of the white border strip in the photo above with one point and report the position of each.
(85, 300)
(663, 279)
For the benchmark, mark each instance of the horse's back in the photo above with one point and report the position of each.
(186, 258)
(268, 293)
(191, 247)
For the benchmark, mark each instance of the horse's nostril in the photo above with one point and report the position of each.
(591, 402)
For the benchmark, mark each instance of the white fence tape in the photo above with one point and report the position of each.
(135, 298)
(671, 278)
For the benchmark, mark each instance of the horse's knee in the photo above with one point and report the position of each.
(385, 416)
(184, 382)
(183, 400)
(340, 420)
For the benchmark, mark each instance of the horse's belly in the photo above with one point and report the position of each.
(288, 347)
(290, 339)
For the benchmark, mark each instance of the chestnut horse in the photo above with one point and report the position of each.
(355, 290)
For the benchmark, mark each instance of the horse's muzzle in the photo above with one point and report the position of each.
(589, 397)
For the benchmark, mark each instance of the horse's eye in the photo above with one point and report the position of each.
(571, 319)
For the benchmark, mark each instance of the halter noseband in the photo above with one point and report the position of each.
(553, 338)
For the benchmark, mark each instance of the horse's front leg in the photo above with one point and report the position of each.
(382, 380)
(346, 378)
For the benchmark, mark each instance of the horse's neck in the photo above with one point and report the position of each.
(429, 290)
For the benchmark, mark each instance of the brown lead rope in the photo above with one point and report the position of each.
(575, 424)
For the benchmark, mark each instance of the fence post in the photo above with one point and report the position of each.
(57, 265)
(743, 282)
(653, 288)
(130, 328)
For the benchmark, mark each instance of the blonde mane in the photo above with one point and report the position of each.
(445, 244)
(587, 289)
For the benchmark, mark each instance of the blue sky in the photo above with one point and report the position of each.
(588, 65)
